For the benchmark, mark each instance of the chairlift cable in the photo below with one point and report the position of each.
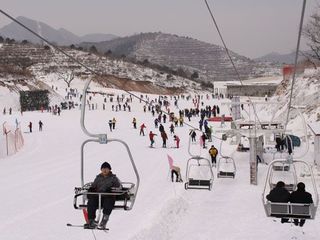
(295, 62)
(229, 56)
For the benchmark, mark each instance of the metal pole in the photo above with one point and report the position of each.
(253, 160)
(296, 61)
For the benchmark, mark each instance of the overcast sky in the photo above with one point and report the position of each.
(250, 27)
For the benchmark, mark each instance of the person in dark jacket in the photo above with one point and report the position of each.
(164, 139)
(161, 128)
(103, 183)
(279, 194)
(300, 196)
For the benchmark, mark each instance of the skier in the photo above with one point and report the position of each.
(40, 126)
(193, 135)
(171, 129)
(151, 136)
(30, 127)
(134, 122)
(161, 128)
(177, 140)
(114, 123)
(213, 154)
(164, 118)
(142, 127)
(203, 138)
(164, 139)
(110, 125)
(156, 121)
(176, 171)
(102, 183)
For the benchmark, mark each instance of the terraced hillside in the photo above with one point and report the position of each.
(209, 60)
(26, 63)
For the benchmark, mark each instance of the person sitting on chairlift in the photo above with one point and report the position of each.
(279, 194)
(103, 183)
(300, 196)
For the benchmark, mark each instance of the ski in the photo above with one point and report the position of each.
(81, 226)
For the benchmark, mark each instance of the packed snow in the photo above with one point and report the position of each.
(37, 183)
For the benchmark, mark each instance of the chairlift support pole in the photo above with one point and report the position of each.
(102, 139)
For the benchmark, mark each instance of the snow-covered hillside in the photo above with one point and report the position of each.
(37, 183)
(29, 67)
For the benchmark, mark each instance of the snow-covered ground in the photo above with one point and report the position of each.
(37, 184)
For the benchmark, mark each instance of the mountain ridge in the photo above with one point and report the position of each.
(59, 36)
(208, 60)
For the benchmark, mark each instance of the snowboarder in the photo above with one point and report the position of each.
(151, 136)
(102, 183)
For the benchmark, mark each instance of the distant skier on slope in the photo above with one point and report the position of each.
(151, 137)
(142, 127)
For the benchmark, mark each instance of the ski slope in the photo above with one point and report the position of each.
(37, 184)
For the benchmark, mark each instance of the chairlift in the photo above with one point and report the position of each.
(126, 194)
(289, 210)
(198, 182)
(283, 170)
(226, 167)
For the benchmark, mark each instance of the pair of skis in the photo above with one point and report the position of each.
(81, 226)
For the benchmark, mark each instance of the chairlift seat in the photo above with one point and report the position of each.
(198, 184)
(290, 210)
(122, 195)
(290, 187)
(281, 167)
(223, 174)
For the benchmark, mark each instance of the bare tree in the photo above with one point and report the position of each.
(67, 77)
(312, 33)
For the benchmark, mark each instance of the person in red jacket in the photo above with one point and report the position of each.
(177, 140)
(151, 136)
(142, 127)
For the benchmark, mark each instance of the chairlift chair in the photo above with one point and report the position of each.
(126, 194)
(198, 183)
(283, 170)
(226, 167)
(289, 210)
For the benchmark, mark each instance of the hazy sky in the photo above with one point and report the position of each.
(250, 27)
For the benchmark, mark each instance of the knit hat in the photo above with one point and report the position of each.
(106, 165)
(301, 186)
